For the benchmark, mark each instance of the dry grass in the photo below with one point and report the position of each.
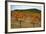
(25, 20)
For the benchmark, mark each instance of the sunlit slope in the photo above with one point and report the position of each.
(29, 18)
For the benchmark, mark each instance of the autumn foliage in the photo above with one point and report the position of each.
(30, 18)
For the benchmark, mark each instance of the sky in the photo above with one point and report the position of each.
(22, 7)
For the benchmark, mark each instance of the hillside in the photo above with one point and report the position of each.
(29, 10)
(28, 18)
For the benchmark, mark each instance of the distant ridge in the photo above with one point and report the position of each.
(31, 10)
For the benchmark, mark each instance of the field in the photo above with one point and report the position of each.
(29, 18)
